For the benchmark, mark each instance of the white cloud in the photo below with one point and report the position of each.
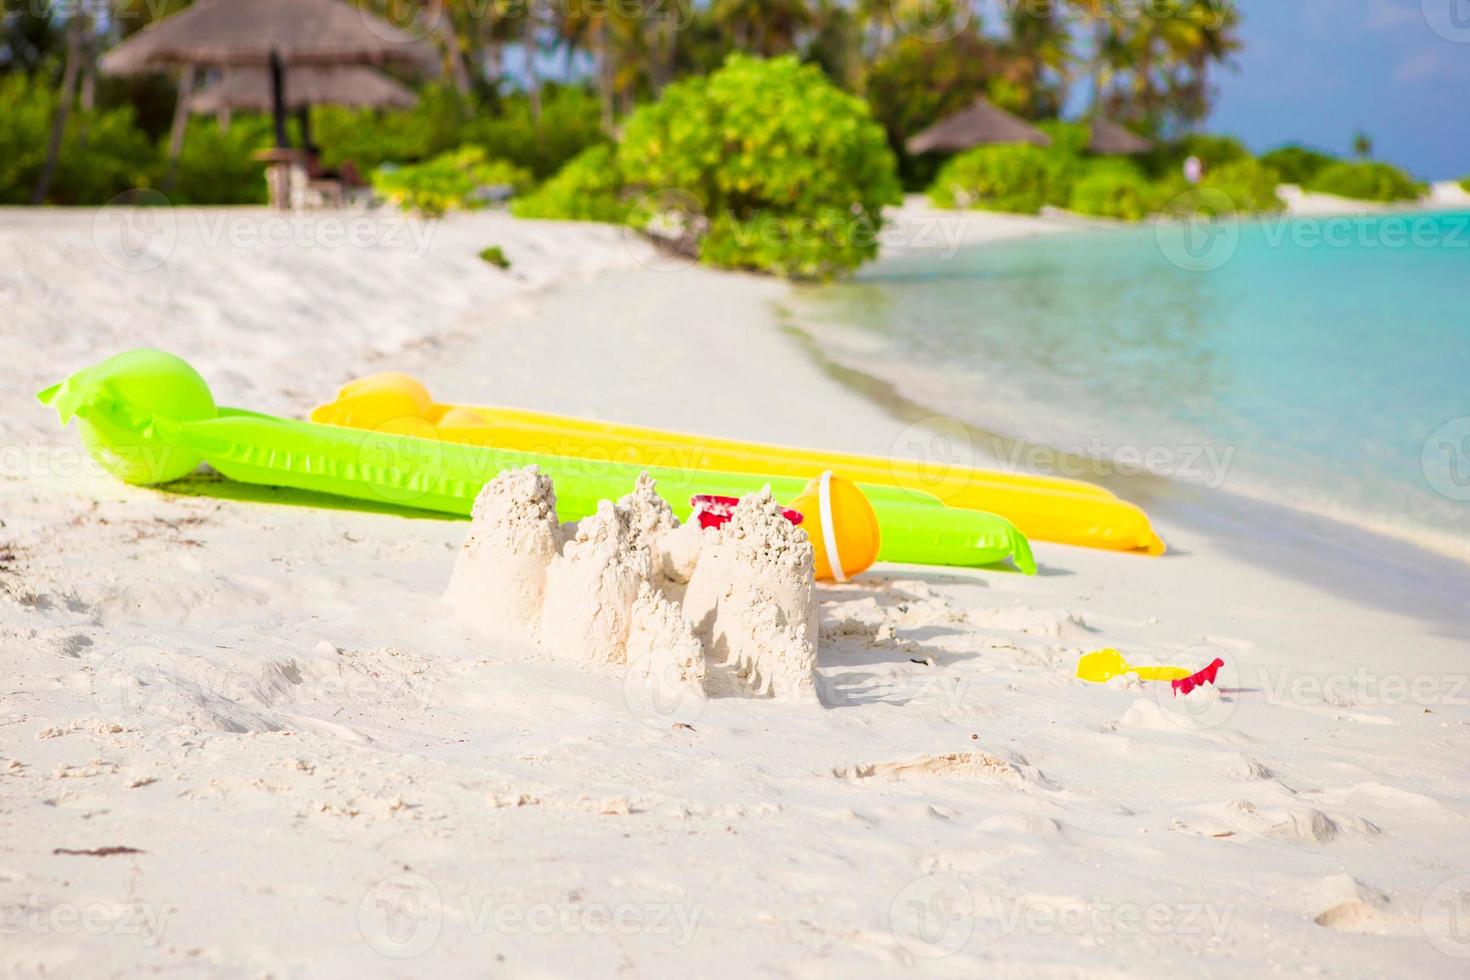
(1418, 68)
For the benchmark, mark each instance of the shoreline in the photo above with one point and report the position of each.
(895, 387)
(1266, 533)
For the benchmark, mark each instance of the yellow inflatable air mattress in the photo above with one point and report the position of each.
(1042, 507)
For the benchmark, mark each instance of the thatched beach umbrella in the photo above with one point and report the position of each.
(355, 86)
(1110, 138)
(980, 124)
(279, 36)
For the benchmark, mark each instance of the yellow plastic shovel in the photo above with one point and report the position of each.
(1101, 666)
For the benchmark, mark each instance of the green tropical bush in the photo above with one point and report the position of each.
(589, 188)
(1112, 188)
(1007, 177)
(453, 181)
(443, 120)
(762, 165)
(1297, 164)
(103, 152)
(217, 165)
(369, 138)
(1366, 181)
(1247, 182)
(1244, 186)
(1167, 159)
(771, 150)
(570, 122)
(1069, 139)
(1465, 183)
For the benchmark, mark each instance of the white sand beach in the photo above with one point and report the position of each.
(245, 737)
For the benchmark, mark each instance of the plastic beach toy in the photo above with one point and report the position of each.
(1101, 666)
(1184, 685)
(1043, 507)
(844, 530)
(713, 511)
(130, 452)
(144, 418)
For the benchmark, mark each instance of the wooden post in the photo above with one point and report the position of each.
(181, 122)
(278, 99)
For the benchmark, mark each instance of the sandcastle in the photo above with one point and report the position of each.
(722, 612)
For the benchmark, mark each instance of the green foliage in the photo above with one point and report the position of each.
(1465, 183)
(369, 138)
(1297, 164)
(1247, 182)
(805, 246)
(443, 120)
(1213, 149)
(570, 122)
(1167, 159)
(1069, 157)
(773, 149)
(915, 82)
(1067, 138)
(25, 121)
(103, 153)
(1366, 181)
(1112, 188)
(1006, 177)
(1244, 186)
(216, 165)
(587, 189)
(450, 182)
(495, 255)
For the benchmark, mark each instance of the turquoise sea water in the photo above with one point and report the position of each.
(1319, 363)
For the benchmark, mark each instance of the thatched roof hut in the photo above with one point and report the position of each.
(251, 32)
(980, 124)
(282, 36)
(355, 86)
(1110, 138)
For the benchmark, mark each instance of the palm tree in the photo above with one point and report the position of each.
(1037, 54)
(765, 27)
(1163, 54)
(78, 28)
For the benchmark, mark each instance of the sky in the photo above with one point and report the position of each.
(1317, 71)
